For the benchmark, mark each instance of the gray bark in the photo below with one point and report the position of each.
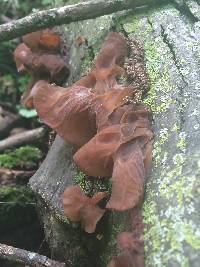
(66, 15)
(19, 139)
(170, 35)
(23, 256)
(7, 122)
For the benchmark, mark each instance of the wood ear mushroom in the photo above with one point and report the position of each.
(80, 208)
(39, 55)
(100, 116)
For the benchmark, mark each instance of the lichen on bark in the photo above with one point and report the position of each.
(169, 210)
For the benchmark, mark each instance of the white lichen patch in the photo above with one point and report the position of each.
(32, 255)
(6, 250)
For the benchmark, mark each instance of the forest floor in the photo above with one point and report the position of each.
(20, 157)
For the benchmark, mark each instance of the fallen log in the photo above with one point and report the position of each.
(9, 176)
(22, 138)
(8, 120)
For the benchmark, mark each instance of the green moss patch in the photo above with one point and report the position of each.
(24, 157)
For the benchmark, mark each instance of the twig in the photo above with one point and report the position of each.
(14, 203)
(8, 176)
(7, 122)
(22, 138)
(23, 256)
(67, 14)
(15, 173)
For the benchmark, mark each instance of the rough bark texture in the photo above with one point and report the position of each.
(23, 256)
(7, 122)
(25, 137)
(170, 34)
(66, 14)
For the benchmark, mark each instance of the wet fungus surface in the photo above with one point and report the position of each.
(104, 119)
(80, 208)
(39, 55)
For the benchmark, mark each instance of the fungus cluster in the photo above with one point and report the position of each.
(39, 55)
(100, 116)
(81, 208)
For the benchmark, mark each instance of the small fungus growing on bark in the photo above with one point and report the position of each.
(80, 40)
(131, 244)
(80, 208)
(132, 251)
(46, 40)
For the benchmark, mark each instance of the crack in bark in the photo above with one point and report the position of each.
(181, 88)
(173, 53)
(185, 10)
(150, 23)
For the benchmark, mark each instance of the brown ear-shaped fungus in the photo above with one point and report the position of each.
(132, 251)
(123, 151)
(40, 56)
(46, 39)
(131, 161)
(124, 260)
(108, 63)
(97, 104)
(113, 52)
(130, 241)
(50, 67)
(65, 110)
(104, 105)
(80, 208)
(20, 54)
(123, 140)
(41, 66)
(127, 178)
(88, 81)
(100, 115)
(95, 157)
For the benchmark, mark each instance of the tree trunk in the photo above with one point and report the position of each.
(170, 35)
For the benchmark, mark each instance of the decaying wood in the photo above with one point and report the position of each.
(8, 176)
(8, 120)
(22, 138)
(66, 15)
(23, 256)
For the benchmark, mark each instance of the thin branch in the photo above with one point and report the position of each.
(67, 14)
(8, 120)
(9, 176)
(23, 256)
(15, 173)
(22, 138)
(14, 203)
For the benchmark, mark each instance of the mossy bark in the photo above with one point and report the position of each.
(170, 34)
